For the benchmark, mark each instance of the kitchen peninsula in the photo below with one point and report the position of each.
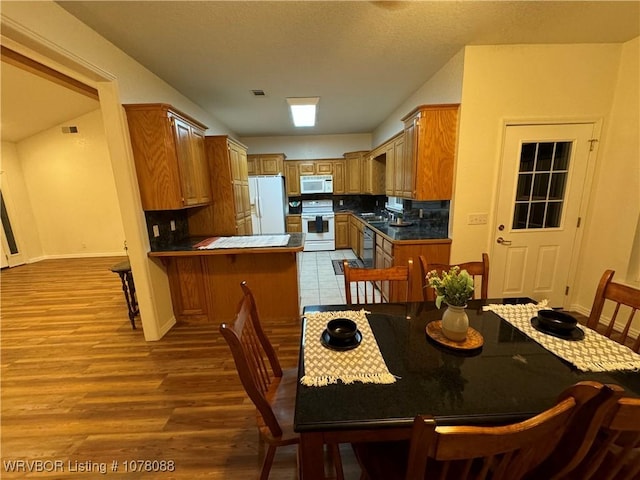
(205, 283)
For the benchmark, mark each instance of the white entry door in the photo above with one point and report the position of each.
(540, 193)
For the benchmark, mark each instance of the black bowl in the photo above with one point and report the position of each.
(556, 321)
(342, 329)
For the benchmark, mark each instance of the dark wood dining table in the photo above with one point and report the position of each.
(509, 379)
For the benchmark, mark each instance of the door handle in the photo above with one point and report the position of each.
(502, 241)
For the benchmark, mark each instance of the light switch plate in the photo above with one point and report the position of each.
(156, 231)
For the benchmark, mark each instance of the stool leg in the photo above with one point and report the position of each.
(133, 305)
(124, 277)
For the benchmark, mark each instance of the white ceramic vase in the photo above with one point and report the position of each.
(455, 323)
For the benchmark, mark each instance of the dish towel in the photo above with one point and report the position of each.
(594, 353)
(323, 366)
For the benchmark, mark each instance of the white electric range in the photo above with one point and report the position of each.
(318, 225)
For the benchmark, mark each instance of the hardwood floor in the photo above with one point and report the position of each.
(81, 387)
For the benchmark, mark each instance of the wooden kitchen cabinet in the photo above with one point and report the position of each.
(394, 152)
(324, 167)
(230, 212)
(339, 177)
(353, 163)
(384, 259)
(187, 282)
(373, 175)
(342, 230)
(292, 178)
(429, 152)
(293, 223)
(307, 168)
(266, 164)
(168, 150)
(356, 228)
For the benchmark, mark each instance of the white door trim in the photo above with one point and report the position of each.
(586, 191)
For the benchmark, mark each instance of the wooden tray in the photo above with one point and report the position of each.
(474, 338)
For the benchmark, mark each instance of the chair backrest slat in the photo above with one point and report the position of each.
(377, 285)
(626, 301)
(255, 358)
(479, 271)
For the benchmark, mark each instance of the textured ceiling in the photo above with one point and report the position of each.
(361, 58)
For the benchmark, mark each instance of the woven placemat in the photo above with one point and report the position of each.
(594, 353)
(323, 366)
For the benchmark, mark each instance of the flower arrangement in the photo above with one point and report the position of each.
(455, 287)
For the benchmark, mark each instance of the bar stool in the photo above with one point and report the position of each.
(123, 269)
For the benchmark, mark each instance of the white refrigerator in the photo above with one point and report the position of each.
(268, 203)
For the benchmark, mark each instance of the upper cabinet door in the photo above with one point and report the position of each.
(169, 157)
(429, 152)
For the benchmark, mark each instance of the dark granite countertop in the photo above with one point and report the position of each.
(188, 247)
(420, 228)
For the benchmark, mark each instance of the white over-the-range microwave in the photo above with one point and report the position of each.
(316, 184)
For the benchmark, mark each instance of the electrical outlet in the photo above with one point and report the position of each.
(341, 202)
(477, 219)
(156, 231)
(172, 223)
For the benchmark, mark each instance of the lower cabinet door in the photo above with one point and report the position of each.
(187, 281)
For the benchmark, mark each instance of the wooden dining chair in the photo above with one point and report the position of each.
(271, 389)
(506, 452)
(377, 285)
(479, 270)
(615, 455)
(617, 295)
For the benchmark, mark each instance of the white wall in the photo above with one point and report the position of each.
(445, 86)
(543, 82)
(614, 214)
(72, 191)
(16, 196)
(305, 147)
(47, 33)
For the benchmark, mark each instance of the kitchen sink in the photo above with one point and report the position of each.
(373, 218)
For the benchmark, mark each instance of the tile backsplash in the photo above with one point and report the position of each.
(166, 236)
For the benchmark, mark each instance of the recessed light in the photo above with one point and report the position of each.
(303, 110)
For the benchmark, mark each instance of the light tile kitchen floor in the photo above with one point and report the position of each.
(318, 283)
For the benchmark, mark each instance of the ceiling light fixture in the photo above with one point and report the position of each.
(303, 110)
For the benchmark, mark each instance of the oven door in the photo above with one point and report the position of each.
(319, 232)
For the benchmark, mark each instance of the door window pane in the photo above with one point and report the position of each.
(545, 157)
(521, 215)
(556, 189)
(540, 195)
(552, 219)
(524, 187)
(528, 157)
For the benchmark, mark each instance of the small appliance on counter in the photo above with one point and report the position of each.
(295, 207)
